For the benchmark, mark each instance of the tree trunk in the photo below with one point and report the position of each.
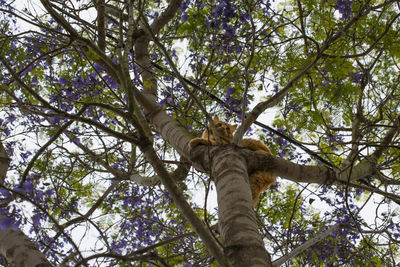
(241, 239)
(237, 221)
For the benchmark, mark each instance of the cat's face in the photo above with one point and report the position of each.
(225, 130)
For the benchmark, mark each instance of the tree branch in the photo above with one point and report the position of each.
(166, 16)
(112, 67)
(262, 106)
(14, 245)
(178, 175)
(19, 249)
(45, 146)
(309, 243)
(4, 162)
(101, 37)
(292, 171)
(180, 201)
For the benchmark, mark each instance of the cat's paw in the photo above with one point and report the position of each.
(197, 141)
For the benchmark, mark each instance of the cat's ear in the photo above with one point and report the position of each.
(233, 127)
(216, 118)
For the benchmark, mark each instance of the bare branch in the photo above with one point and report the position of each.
(166, 16)
(4, 162)
(262, 106)
(100, 25)
(309, 243)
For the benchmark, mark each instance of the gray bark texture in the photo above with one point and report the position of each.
(237, 221)
(14, 245)
(19, 250)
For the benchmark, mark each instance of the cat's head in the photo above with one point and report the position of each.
(225, 130)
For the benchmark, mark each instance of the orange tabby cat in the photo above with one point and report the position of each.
(259, 180)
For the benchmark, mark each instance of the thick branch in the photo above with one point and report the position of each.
(166, 125)
(166, 16)
(21, 251)
(292, 171)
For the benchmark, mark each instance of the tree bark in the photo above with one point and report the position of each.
(19, 250)
(4, 162)
(14, 245)
(237, 221)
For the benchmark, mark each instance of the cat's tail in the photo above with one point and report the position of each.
(259, 181)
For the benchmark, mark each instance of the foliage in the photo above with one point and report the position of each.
(67, 124)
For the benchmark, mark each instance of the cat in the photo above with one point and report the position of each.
(259, 180)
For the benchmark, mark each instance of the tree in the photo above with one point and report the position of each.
(99, 100)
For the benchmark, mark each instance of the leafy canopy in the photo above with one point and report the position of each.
(76, 163)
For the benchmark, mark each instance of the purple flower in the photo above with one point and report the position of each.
(28, 187)
(295, 106)
(7, 131)
(19, 190)
(244, 17)
(229, 92)
(62, 81)
(6, 223)
(5, 193)
(112, 83)
(11, 118)
(38, 196)
(79, 83)
(49, 192)
(356, 77)
(98, 67)
(184, 6)
(344, 8)
(36, 220)
(54, 120)
(218, 10)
